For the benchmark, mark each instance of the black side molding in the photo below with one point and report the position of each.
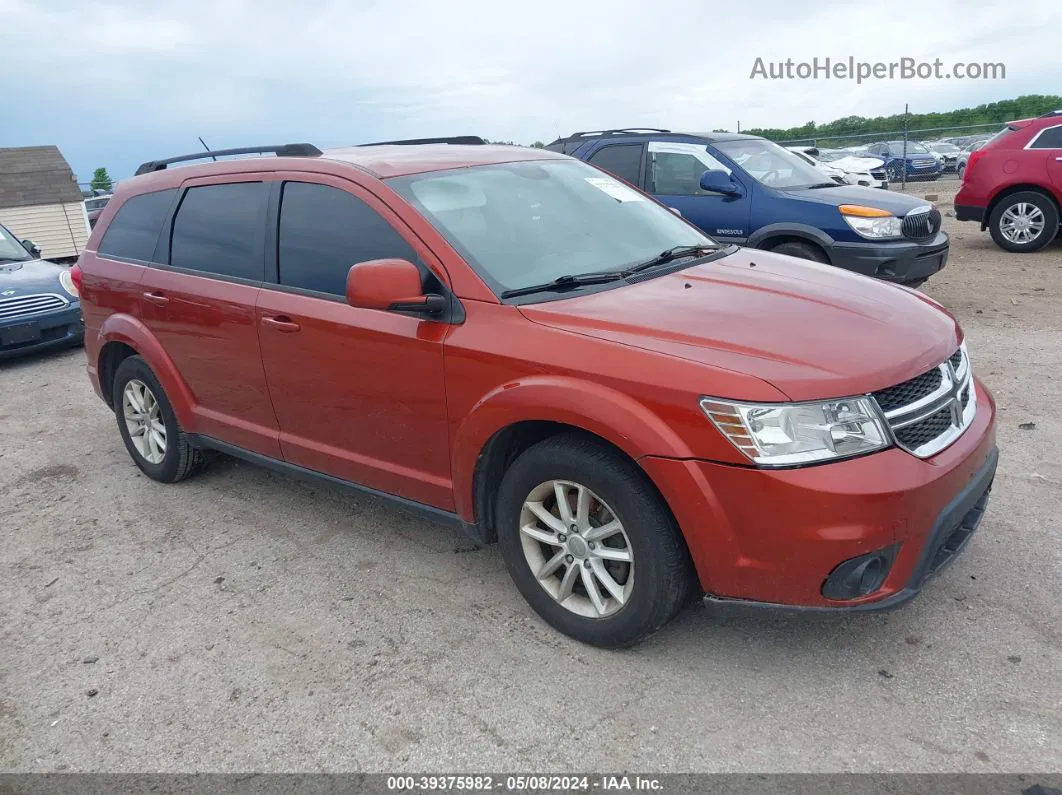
(429, 512)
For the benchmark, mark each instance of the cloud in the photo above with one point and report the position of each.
(121, 82)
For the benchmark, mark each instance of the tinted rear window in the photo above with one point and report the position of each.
(1051, 138)
(623, 160)
(219, 229)
(134, 230)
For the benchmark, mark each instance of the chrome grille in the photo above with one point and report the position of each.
(921, 223)
(20, 305)
(932, 410)
(923, 163)
(879, 174)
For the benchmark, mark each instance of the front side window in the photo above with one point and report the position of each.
(1051, 138)
(134, 230)
(623, 160)
(675, 168)
(770, 164)
(325, 230)
(219, 229)
(913, 148)
(525, 223)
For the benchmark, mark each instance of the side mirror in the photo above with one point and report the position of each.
(717, 181)
(390, 285)
(32, 248)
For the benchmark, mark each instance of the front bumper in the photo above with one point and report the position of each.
(771, 538)
(899, 261)
(46, 331)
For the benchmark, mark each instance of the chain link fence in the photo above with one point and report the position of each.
(907, 156)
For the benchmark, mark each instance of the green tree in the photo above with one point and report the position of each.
(101, 180)
(538, 145)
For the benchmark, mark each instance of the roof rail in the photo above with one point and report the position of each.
(620, 131)
(1051, 114)
(467, 140)
(280, 150)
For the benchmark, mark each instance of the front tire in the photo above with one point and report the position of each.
(148, 426)
(799, 250)
(590, 544)
(1023, 222)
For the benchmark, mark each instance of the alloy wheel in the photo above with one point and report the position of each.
(143, 420)
(1022, 223)
(577, 549)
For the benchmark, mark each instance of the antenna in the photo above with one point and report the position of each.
(206, 147)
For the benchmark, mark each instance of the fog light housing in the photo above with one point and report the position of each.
(860, 576)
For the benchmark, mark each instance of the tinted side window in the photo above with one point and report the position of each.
(1049, 139)
(623, 160)
(324, 230)
(134, 230)
(676, 174)
(219, 229)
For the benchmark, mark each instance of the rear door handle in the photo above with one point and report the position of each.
(158, 299)
(281, 323)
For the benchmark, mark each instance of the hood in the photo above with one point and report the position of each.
(896, 203)
(858, 164)
(30, 276)
(812, 331)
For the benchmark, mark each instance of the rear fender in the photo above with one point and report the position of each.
(127, 329)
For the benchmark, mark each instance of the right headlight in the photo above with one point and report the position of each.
(871, 222)
(785, 434)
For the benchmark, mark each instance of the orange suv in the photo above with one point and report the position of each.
(514, 342)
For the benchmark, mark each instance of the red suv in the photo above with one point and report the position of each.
(517, 343)
(1013, 184)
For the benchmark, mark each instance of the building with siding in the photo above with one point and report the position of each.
(40, 200)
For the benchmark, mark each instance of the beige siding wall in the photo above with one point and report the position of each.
(61, 230)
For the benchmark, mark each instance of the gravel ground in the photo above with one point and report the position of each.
(244, 620)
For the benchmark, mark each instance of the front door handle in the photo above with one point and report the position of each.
(158, 299)
(281, 323)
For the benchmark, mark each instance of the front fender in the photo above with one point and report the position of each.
(127, 329)
(597, 409)
(789, 229)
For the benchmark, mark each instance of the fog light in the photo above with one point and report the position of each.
(861, 575)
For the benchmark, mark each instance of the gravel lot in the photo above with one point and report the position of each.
(244, 620)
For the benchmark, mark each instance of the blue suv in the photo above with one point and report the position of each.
(915, 158)
(747, 190)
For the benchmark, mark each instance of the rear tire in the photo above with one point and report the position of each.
(799, 250)
(641, 571)
(148, 426)
(1036, 211)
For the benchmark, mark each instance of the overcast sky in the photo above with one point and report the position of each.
(117, 83)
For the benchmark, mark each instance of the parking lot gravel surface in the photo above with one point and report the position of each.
(244, 620)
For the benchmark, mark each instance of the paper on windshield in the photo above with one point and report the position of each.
(617, 190)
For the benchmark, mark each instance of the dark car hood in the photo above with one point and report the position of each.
(895, 203)
(30, 276)
(810, 330)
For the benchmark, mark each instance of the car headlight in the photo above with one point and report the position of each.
(871, 222)
(784, 434)
(68, 283)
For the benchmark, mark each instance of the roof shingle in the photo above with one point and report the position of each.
(31, 175)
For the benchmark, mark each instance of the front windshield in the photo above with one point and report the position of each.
(10, 248)
(946, 148)
(828, 156)
(770, 164)
(527, 223)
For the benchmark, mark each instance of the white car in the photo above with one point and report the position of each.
(844, 167)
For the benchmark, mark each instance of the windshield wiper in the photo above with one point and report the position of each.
(823, 185)
(11, 259)
(671, 254)
(566, 282)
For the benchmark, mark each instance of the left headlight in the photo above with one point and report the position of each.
(870, 222)
(784, 434)
(68, 283)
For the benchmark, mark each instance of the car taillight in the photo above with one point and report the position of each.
(974, 157)
(77, 277)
